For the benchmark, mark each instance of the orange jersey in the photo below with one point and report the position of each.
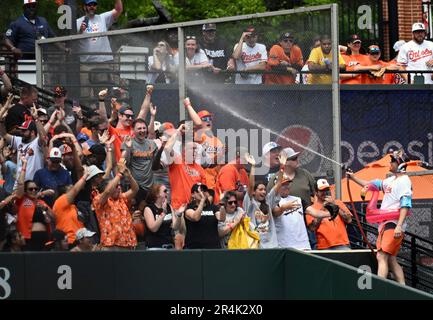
(26, 209)
(182, 177)
(229, 178)
(119, 134)
(276, 55)
(387, 78)
(352, 61)
(330, 233)
(67, 217)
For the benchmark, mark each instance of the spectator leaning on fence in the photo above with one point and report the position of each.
(320, 60)
(249, 56)
(284, 56)
(353, 58)
(24, 31)
(417, 54)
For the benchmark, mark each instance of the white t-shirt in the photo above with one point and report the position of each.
(264, 224)
(151, 78)
(291, 230)
(99, 23)
(414, 56)
(250, 57)
(199, 58)
(394, 188)
(34, 155)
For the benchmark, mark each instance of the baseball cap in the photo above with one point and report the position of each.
(269, 147)
(322, 184)
(90, 1)
(82, 137)
(83, 233)
(397, 46)
(417, 26)
(209, 27)
(286, 35)
(42, 110)
(204, 113)
(55, 153)
(93, 171)
(59, 91)
(354, 38)
(290, 153)
(251, 29)
(28, 125)
(29, 1)
(202, 186)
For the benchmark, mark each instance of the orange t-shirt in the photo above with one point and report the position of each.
(182, 177)
(26, 209)
(66, 217)
(276, 55)
(352, 61)
(228, 177)
(330, 233)
(119, 135)
(115, 222)
(387, 78)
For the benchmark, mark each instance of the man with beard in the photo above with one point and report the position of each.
(215, 50)
(138, 152)
(24, 31)
(20, 112)
(250, 56)
(320, 60)
(417, 54)
(30, 144)
(95, 23)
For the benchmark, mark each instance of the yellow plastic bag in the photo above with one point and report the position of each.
(242, 237)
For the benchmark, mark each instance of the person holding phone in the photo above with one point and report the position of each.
(331, 233)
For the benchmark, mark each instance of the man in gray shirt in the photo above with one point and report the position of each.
(139, 152)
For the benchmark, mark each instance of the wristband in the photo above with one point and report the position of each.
(101, 100)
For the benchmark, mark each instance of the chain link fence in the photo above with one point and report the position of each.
(268, 103)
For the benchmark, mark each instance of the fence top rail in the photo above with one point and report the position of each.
(188, 23)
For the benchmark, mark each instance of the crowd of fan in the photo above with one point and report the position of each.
(88, 182)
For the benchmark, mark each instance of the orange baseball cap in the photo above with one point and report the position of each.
(204, 113)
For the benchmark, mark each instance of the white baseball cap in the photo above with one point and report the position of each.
(290, 153)
(93, 171)
(322, 184)
(397, 46)
(29, 1)
(84, 233)
(269, 146)
(417, 26)
(55, 153)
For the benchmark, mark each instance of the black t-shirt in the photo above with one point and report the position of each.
(218, 55)
(16, 116)
(202, 234)
(164, 234)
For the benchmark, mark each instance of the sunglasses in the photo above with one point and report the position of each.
(375, 52)
(288, 40)
(92, 4)
(32, 189)
(207, 119)
(129, 116)
(161, 44)
(232, 202)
